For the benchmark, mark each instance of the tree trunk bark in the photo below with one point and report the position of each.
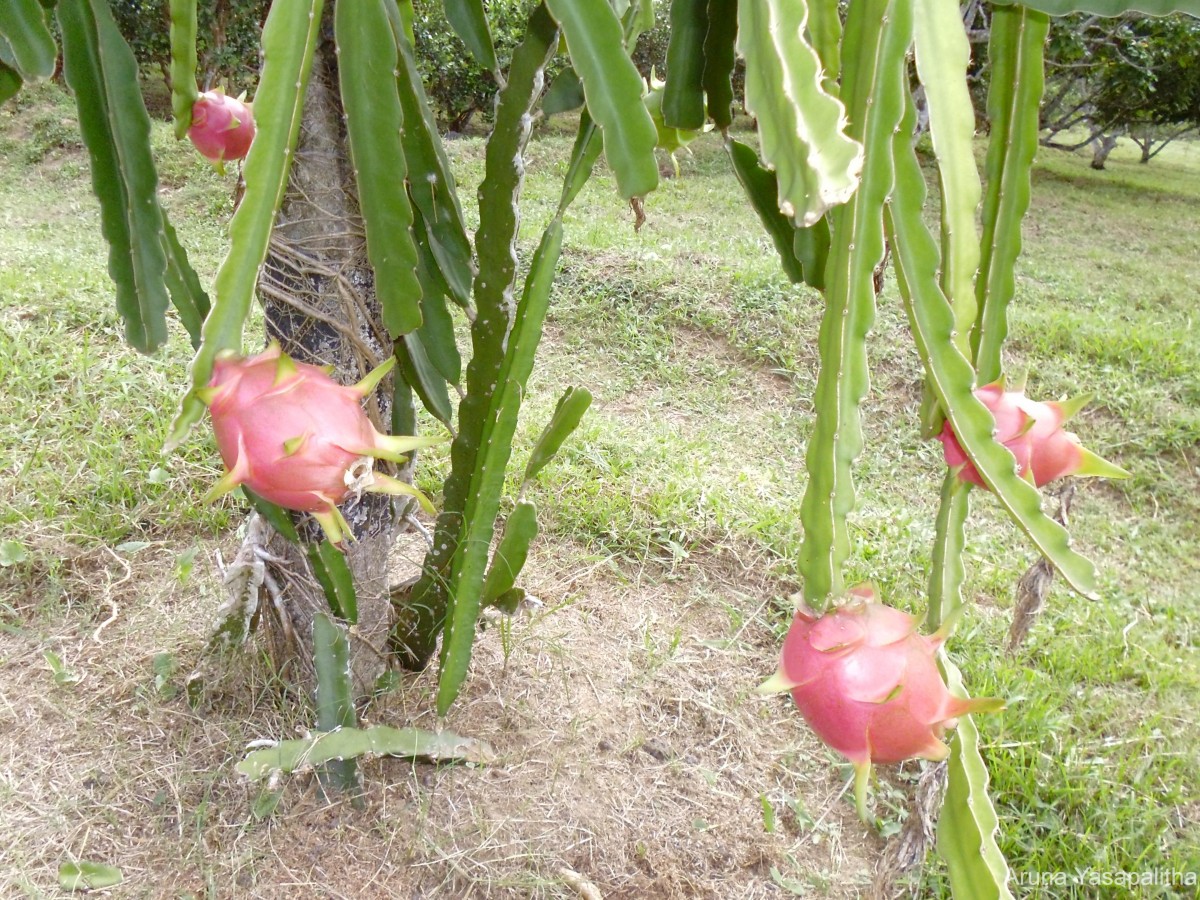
(1104, 146)
(318, 292)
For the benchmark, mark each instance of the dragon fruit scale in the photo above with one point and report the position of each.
(867, 682)
(297, 438)
(222, 127)
(1033, 432)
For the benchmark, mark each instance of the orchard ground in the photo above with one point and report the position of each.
(632, 754)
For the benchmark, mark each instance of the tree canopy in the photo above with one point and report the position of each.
(1137, 75)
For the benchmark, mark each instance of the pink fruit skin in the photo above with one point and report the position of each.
(222, 127)
(868, 683)
(1031, 430)
(253, 416)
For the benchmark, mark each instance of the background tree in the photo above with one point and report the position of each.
(458, 84)
(1134, 75)
(227, 39)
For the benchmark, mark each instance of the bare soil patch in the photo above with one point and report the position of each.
(633, 758)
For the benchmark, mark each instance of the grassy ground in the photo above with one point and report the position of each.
(631, 751)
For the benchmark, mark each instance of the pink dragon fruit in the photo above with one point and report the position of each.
(1033, 432)
(297, 438)
(222, 127)
(868, 684)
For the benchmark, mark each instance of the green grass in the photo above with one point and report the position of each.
(702, 361)
(84, 418)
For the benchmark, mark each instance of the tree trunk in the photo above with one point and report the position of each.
(1104, 146)
(318, 291)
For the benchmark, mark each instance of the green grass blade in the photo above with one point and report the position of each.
(613, 89)
(762, 189)
(1109, 8)
(289, 39)
(470, 23)
(568, 413)
(184, 93)
(367, 65)
(943, 54)
(10, 82)
(511, 553)
(874, 88)
(720, 56)
(467, 573)
(351, 743)
(968, 824)
(335, 693)
(23, 27)
(951, 376)
(431, 181)
(947, 571)
(102, 73)
(683, 96)
(801, 128)
(330, 568)
(188, 297)
(1015, 51)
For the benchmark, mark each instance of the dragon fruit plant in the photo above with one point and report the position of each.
(1033, 432)
(294, 436)
(867, 682)
(222, 127)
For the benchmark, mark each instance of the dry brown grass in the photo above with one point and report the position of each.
(632, 753)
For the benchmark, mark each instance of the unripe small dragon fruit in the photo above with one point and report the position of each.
(297, 438)
(869, 685)
(222, 127)
(1033, 432)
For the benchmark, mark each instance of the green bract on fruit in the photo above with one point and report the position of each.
(1033, 432)
(297, 438)
(222, 127)
(869, 685)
